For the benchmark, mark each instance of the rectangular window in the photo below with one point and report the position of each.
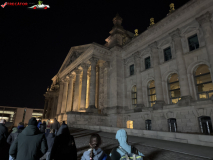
(193, 42)
(167, 54)
(131, 69)
(147, 63)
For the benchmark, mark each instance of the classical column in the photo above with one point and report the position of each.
(157, 74)
(60, 97)
(48, 108)
(64, 99)
(70, 93)
(106, 85)
(84, 87)
(205, 23)
(76, 94)
(53, 108)
(182, 74)
(139, 106)
(93, 62)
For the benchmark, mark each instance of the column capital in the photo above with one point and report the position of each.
(204, 18)
(85, 66)
(175, 34)
(93, 60)
(77, 71)
(71, 76)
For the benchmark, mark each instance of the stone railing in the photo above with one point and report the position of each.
(196, 139)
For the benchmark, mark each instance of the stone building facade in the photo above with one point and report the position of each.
(159, 80)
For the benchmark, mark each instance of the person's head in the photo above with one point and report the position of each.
(44, 122)
(121, 135)
(64, 122)
(33, 122)
(3, 121)
(95, 142)
(52, 131)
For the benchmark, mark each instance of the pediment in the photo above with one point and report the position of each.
(189, 29)
(129, 60)
(73, 55)
(165, 42)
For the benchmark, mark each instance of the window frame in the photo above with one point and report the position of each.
(197, 40)
(151, 94)
(149, 62)
(132, 65)
(133, 99)
(170, 53)
(196, 85)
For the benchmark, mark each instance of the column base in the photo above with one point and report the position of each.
(92, 109)
(158, 105)
(138, 108)
(185, 101)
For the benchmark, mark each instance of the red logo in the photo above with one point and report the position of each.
(3, 5)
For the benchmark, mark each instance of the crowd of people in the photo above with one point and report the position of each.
(48, 141)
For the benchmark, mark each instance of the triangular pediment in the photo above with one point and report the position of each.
(73, 55)
(189, 29)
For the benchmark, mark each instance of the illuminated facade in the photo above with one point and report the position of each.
(159, 80)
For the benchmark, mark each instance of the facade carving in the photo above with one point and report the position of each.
(157, 80)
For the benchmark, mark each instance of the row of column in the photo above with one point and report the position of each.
(66, 97)
(205, 23)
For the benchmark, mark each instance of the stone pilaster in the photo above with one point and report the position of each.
(140, 104)
(205, 23)
(76, 94)
(182, 74)
(158, 81)
(70, 93)
(84, 87)
(60, 97)
(92, 107)
(47, 116)
(64, 99)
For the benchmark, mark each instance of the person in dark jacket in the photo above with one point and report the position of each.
(13, 135)
(55, 125)
(42, 127)
(64, 145)
(30, 144)
(50, 142)
(3, 132)
(3, 138)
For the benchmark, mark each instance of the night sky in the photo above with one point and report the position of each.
(34, 43)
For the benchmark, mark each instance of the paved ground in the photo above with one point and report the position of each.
(152, 149)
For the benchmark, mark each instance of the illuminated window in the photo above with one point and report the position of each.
(174, 88)
(167, 54)
(134, 96)
(129, 124)
(147, 63)
(131, 68)
(193, 42)
(151, 93)
(203, 82)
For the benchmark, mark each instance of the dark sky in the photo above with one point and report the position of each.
(34, 43)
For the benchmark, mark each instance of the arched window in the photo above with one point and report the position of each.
(134, 96)
(151, 93)
(129, 124)
(203, 82)
(174, 88)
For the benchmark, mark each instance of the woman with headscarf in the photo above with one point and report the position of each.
(64, 145)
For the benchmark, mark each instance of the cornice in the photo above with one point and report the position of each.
(175, 16)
